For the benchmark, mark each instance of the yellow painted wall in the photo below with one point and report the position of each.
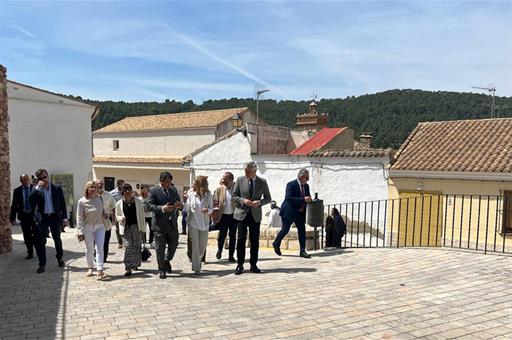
(470, 216)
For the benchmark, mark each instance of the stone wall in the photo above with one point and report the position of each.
(5, 186)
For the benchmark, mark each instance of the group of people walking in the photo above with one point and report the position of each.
(235, 206)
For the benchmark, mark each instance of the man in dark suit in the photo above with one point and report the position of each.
(48, 208)
(293, 210)
(250, 193)
(21, 207)
(164, 200)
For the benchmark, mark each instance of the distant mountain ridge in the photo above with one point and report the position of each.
(389, 116)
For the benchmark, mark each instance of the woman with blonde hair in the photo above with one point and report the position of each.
(90, 215)
(132, 223)
(199, 207)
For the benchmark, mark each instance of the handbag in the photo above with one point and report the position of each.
(145, 253)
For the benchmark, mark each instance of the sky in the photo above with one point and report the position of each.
(200, 50)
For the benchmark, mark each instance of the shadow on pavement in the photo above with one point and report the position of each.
(36, 302)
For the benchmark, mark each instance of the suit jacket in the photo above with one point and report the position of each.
(37, 202)
(241, 192)
(293, 200)
(17, 203)
(162, 222)
(219, 199)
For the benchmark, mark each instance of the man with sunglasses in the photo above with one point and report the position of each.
(293, 210)
(49, 211)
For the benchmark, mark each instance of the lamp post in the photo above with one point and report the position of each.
(257, 105)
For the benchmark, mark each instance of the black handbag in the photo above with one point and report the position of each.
(145, 253)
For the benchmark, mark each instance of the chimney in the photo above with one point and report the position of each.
(366, 139)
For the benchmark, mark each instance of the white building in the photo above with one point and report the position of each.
(339, 176)
(48, 130)
(137, 149)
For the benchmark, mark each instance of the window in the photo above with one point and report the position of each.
(109, 183)
(116, 144)
(507, 212)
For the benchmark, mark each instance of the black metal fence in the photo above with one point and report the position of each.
(475, 222)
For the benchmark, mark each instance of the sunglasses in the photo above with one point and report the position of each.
(42, 178)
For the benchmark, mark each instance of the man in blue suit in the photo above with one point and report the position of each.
(48, 208)
(293, 210)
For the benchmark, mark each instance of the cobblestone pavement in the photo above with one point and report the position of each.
(353, 293)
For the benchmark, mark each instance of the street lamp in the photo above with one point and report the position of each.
(236, 120)
(257, 104)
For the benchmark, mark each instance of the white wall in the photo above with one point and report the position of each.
(149, 176)
(169, 143)
(337, 180)
(51, 132)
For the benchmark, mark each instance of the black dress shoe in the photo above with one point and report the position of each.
(231, 259)
(239, 270)
(29, 256)
(255, 269)
(168, 267)
(162, 275)
(277, 250)
(128, 273)
(61, 263)
(219, 254)
(304, 255)
(40, 270)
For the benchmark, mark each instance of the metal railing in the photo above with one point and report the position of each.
(475, 222)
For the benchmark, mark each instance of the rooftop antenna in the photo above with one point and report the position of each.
(491, 89)
(259, 92)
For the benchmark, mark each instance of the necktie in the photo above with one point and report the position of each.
(166, 193)
(25, 199)
(251, 189)
(302, 206)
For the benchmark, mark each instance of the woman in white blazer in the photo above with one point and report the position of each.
(199, 207)
(130, 216)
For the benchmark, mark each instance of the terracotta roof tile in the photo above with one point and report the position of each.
(183, 120)
(320, 139)
(351, 153)
(483, 145)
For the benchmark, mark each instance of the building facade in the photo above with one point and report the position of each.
(137, 149)
(50, 131)
(456, 177)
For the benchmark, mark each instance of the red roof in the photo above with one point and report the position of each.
(319, 140)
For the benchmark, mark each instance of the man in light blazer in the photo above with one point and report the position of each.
(293, 210)
(250, 193)
(164, 200)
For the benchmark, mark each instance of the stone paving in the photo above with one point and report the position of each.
(352, 293)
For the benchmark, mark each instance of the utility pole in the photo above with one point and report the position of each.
(491, 89)
(258, 93)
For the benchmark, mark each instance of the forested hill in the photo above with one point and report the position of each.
(390, 116)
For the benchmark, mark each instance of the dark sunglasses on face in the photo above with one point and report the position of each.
(42, 178)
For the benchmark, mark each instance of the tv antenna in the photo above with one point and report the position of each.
(258, 91)
(491, 89)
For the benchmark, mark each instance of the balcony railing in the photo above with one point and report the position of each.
(475, 222)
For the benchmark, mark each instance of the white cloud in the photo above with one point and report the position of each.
(25, 32)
